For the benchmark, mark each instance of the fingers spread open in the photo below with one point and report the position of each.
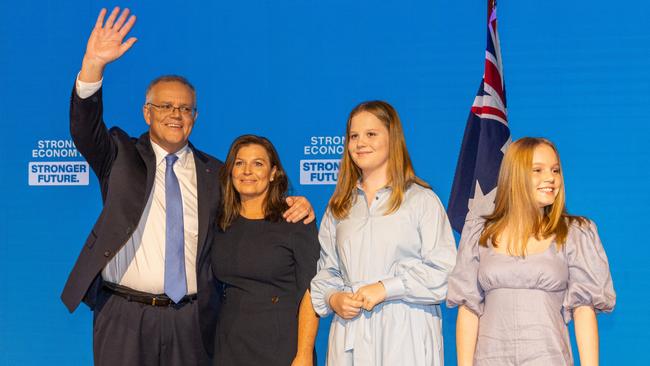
(127, 27)
(126, 45)
(120, 21)
(111, 17)
(100, 18)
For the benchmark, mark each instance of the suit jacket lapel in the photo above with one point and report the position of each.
(149, 157)
(206, 183)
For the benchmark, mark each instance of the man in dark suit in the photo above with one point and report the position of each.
(145, 267)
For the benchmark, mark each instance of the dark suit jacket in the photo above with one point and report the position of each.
(125, 167)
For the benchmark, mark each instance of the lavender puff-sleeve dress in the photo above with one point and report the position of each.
(524, 304)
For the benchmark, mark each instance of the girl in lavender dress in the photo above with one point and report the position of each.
(527, 268)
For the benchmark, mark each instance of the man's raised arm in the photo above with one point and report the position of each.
(87, 127)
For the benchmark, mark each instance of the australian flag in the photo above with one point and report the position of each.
(486, 137)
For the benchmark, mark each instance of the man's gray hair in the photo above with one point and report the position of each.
(170, 78)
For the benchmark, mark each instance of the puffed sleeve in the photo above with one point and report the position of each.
(305, 253)
(464, 288)
(424, 280)
(590, 282)
(328, 278)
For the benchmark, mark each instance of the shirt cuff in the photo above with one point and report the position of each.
(394, 288)
(327, 296)
(84, 89)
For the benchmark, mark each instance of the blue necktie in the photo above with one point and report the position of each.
(175, 282)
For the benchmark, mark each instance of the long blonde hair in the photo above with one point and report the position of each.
(400, 169)
(516, 208)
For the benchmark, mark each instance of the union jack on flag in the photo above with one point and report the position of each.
(486, 137)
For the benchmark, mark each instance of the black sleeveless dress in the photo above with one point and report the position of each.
(265, 268)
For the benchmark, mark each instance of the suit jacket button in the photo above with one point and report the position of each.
(107, 253)
(275, 299)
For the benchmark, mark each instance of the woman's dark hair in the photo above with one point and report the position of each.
(275, 203)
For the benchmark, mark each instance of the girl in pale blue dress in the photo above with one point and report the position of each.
(526, 268)
(386, 251)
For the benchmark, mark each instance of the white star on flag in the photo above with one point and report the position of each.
(480, 204)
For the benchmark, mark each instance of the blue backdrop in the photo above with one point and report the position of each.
(576, 72)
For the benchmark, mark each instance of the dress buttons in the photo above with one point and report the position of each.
(275, 299)
(107, 253)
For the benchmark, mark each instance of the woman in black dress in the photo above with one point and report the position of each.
(265, 264)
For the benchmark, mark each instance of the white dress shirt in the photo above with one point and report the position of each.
(140, 263)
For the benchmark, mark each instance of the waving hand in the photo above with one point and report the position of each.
(106, 43)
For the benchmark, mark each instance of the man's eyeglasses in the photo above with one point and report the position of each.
(170, 108)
